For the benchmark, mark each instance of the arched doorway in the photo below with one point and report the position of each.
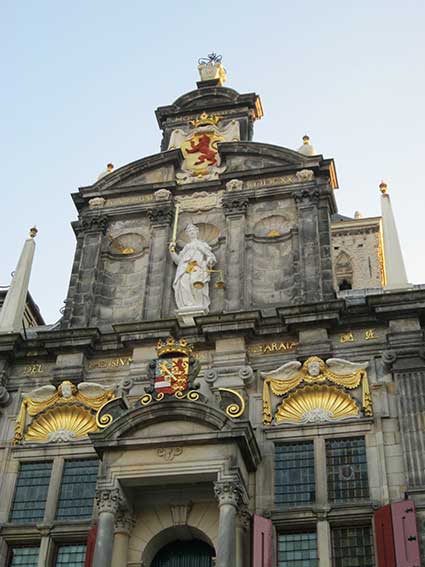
(193, 553)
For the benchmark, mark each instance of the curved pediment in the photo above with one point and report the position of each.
(180, 420)
(206, 98)
(241, 156)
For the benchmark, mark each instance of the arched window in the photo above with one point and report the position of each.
(344, 271)
(192, 553)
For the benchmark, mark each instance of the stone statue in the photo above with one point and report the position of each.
(192, 275)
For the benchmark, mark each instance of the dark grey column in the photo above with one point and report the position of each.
(80, 300)
(235, 207)
(228, 493)
(161, 218)
(108, 502)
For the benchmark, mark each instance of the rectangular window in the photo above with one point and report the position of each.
(294, 474)
(23, 556)
(347, 469)
(77, 489)
(71, 555)
(298, 550)
(31, 492)
(352, 547)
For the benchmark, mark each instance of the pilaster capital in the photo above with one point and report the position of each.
(124, 521)
(244, 517)
(235, 205)
(161, 214)
(108, 500)
(228, 492)
(98, 223)
(388, 359)
(306, 196)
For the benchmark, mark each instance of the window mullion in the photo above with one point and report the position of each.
(54, 487)
(320, 472)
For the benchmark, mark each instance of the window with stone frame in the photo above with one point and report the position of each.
(77, 489)
(23, 556)
(70, 555)
(297, 550)
(31, 490)
(346, 465)
(352, 547)
(294, 474)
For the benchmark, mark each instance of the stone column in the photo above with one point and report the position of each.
(108, 501)
(161, 217)
(235, 207)
(124, 523)
(228, 493)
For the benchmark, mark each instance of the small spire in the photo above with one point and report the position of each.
(307, 148)
(395, 271)
(12, 312)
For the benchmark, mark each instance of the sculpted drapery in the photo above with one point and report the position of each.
(192, 273)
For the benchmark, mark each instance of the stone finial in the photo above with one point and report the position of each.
(383, 187)
(33, 231)
(307, 148)
(211, 69)
(358, 215)
(109, 169)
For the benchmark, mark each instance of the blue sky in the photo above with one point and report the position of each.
(81, 80)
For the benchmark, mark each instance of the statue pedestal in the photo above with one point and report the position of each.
(185, 315)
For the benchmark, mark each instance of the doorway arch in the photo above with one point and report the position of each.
(184, 553)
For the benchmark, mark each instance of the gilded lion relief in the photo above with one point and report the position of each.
(316, 391)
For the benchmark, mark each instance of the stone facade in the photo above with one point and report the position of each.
(207, 464)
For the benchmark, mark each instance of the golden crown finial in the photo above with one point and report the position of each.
(33, 231)
(383, 187)
(171, 345)
(205, 119)
(306, 139)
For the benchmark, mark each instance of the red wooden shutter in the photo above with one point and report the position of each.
(262, 542)
(91, 542)
(406, 539)
(384, 537)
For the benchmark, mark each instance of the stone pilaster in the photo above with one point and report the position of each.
(161, 217)
(229, 496)
(79, 303)
(124, 523)
(235, 207)
(108, 502)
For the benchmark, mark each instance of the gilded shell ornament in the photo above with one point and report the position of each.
(61, 424)
(317, 404)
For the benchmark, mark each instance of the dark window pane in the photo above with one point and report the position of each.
(31, 492)
(347, 469)
(294, 474)
(71, 555)
(298, 550)
(352, 547)
(77, 489)
(23, 556)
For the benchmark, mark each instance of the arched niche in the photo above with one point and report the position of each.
(170, 536)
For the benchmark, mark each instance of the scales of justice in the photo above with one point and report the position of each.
(195, 264)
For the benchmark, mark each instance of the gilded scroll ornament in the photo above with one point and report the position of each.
(292, 375)
(49, 401)
(235, 409)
